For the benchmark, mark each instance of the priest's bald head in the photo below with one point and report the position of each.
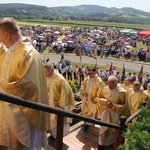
(112, 82)
(9, 31)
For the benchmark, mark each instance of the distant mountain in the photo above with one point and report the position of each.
(82, 9)
(98, 9)
(81, 12)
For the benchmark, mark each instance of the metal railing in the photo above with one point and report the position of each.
(60, 117)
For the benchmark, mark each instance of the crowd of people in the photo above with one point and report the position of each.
(77, 73)
(24, 74)
(101, 42)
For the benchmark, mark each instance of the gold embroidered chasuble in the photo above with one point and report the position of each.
(117, 98)
(3, 51)
(4, 140)
(92, 86)
(19, 77)
(60, 96)
(136, 98)
(128, 89)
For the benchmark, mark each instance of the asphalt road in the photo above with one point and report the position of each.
(54, 58)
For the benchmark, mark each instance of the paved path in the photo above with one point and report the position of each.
(54, 58)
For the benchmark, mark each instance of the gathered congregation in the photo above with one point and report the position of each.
(101, 41)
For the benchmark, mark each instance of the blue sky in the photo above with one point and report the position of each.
(137, 4)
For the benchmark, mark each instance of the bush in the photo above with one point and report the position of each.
(73, 86)
(138, 134)
(68, 62)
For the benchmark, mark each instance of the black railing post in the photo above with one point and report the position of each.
(59, 138)
(119, 139)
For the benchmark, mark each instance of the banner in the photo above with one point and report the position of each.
(140, 76)
(123, 73)
(111, 68)
(63, 67)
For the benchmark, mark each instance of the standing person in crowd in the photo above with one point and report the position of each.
(118, 77)
(81, 74)
(22, 74)
(130, 76)
(102, 75)
(146, 82)
(69, 71)
(133, 77)
(76, 74)
(112, 101)
(89, 90)
(60, 95)
(137, 97)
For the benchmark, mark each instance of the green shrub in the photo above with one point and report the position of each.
(68, 62)
(72, 85)
(138, 134)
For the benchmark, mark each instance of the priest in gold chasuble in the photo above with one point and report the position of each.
(22, 74)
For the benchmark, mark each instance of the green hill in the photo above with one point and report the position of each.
(81, 12)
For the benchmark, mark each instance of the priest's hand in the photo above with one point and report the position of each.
(109, 105)
(85, 94)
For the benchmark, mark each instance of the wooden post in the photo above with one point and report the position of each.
(119, 139)
(59, 138)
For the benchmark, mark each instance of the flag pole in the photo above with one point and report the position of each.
(140, 76)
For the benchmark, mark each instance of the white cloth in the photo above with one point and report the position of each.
(23, 130)
(66, 130)
(109, 116)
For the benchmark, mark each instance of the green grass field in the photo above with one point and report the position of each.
(90, 24)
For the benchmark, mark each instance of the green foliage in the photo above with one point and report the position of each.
(68, 62)
(72, 85)
(81, 13)
(138, 134)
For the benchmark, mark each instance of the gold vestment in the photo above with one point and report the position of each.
(23, 75)
(3, 127)
(117, 98)
(60, 96)
(135, 99)
(92, 86)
